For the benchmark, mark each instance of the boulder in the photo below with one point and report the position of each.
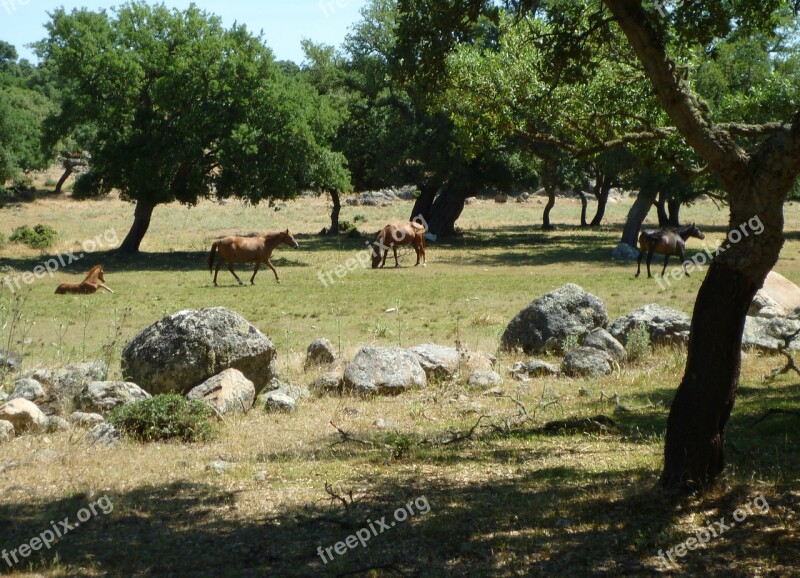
(320, 352)
(664, 325)
(9, 359)
(484, 379)
(587, 362)
(30, 389)
(327, 382)
(552, 318)
(770, 334)
(278, 401)
(475, 361)
(779, 297)
(24, 415)
(7, 432)
(438, 362)
(524, 370)
(384, 370)
(103, 435)
(601, 339)
(86, 420)
(228, 392)
(185, 349)
(625, 252)
(56, 424)
(63, 384)
(103, 396)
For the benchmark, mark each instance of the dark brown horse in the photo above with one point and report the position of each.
(93, 282)
(247, 250)
(666, 243)
(395, 234)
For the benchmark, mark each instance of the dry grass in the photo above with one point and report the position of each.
(510, 501)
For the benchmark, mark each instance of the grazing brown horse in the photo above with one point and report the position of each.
(394, 234)
(248, 249)
(666, 243)
(93, 282)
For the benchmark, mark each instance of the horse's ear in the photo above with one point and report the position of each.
(287, 231)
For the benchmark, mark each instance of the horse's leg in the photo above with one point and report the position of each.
(230, 268)
(396, 262)
(666, 260)
(639, 264)
(258, 264)
(417, 250)
(682, 254)
(385, 253)
(649, 260)
(106, 287)
(216, 272)
(271, 266)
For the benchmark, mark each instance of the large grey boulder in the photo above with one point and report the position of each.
(770, 334)
(601, 339)
(664, 325)
(104, 396)
(587, 362)
(437, 361)
(778, 297)
(185, 349)
(321, 352)
(24, 415)
(30, 389)
(550, 319)
(228, 392)
(384, 370)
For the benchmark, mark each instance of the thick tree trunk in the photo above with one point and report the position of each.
(424, 203)
(63, 179)
(661, 208)
(636, 216)
(693, 452)
(602, 201)
(337, 208)
(551, 202)
(446, 210)
(674, 208)
(141, 222)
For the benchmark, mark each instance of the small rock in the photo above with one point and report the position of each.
(9, 359)
(583, 392)
(320, 352)
(350, 412)
(328, 382)
(104, 396)
(524, 370)
(260, 476)
(24, 415)
(30, 389)
(87, 420)
(277, 401)
(385, 424)
(7, 432)
(227, 392)
(219, 467)
(484, 379)
(601, 339)
(625, 252)
(103, 435)
(587, 361)
(56, 424)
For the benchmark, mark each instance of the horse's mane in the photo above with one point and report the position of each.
(93, 269)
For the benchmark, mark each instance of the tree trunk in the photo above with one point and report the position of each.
(636, 216)
(141, 222)
(551, 202)
(602, 201)
(674, 208)
(337, 208)
(584, 203)
(424, 203)
(63, 179)
(446, 210)
(663, 217)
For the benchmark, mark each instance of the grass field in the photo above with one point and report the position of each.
(511, 500)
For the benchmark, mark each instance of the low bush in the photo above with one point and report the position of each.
(164, 417)
(39, 237)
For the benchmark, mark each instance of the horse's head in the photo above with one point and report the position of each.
(376, 254)
(693, 231)
(96, 272)
(289, 240)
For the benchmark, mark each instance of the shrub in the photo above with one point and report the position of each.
(40, 237)
(164, 417)
(2, 240)
(638, 343)
(571, 342)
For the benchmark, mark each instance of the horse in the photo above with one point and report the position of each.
(666, 243)
(394, 234)
(94, 281)
(234, 249)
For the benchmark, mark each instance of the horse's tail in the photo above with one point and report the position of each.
(211, 256)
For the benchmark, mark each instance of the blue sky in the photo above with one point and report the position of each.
(284, 22)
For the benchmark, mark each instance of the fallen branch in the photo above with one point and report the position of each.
(597, 424)
(463, 436)
(775, 412)
(348, 437)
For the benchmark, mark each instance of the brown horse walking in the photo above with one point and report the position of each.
(247, 250)
(94, 281)
(394, 234)
(666, 243)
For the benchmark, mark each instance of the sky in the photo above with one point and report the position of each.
(284, 22)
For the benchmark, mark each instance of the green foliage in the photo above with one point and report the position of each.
(3, 240)
(571, 342)
(164, 417)
(38, 237)
(638, 343)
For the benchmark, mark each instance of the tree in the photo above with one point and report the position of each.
(757, 164)
(174, 107)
